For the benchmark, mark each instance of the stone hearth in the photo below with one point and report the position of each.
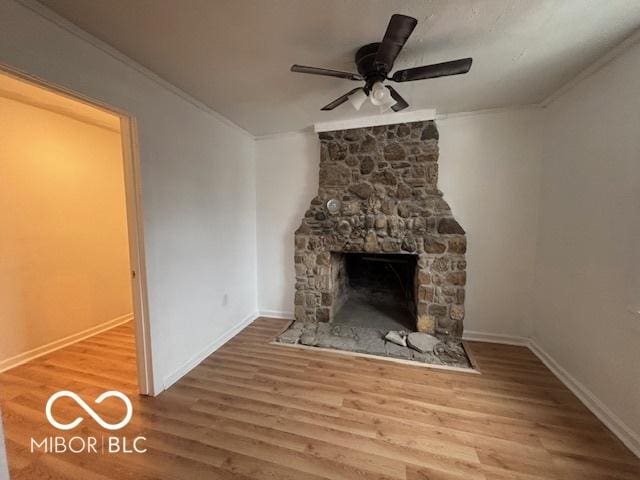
(383, 186)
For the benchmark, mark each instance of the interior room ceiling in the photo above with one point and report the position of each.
(235, 55)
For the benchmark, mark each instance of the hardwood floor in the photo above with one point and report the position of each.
(258, 411)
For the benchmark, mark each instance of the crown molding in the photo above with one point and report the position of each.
(76, 31)
(594, 67)
(488, 111)
(385, 119)
(290, 133)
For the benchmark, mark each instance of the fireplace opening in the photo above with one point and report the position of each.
(374, 290)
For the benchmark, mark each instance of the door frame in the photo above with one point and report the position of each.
(135, 220)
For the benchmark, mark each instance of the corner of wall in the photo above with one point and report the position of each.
(540, 133)
(256, 276)
(575, 168)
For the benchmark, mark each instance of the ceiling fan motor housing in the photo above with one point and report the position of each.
(365, 62)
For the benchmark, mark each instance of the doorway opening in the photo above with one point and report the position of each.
(73, 268)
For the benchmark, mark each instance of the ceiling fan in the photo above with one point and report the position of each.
(374, 61)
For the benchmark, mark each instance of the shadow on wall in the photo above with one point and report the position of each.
(308, 191)
(287, 169)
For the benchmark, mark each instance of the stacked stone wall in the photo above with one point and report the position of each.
(385, 180)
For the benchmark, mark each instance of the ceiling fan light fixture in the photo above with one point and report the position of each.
(358, 99)
(374, 61)
(380, 96)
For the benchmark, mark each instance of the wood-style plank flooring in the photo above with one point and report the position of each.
(253, 410)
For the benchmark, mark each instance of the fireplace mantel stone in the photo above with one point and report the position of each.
(385, 179)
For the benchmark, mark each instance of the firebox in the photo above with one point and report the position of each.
(374, 290)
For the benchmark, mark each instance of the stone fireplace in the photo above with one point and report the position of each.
(378, 210)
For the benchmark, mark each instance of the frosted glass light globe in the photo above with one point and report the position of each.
(379, 94)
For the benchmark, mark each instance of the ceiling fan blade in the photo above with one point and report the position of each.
(401, 103)
(454, 67)
(326, 72)
(397, 34)
(340, 100)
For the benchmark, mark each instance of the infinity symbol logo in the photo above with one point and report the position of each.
(89, 410)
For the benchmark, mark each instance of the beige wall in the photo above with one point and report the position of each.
(64, 264)
(587, 282)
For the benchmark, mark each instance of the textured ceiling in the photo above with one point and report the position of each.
(234, 55)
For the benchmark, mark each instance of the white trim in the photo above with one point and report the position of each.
(288, 133)
(60, 109)
(374, 120)
(276, 314)
(488, 111)
(4, 464)
(439, 116)
(589, 399)
(50, 15)
(592, 68)
(63, 342)
(137, 262)
(624, 433)
(401, 117)
(196, 359)
(504, 339)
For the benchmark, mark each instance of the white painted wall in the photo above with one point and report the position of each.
(198, 174)
(489, 172)
(287, 179)
(588, 262)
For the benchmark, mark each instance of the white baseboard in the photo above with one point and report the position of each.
(589, 399)
(625, 434)
(494, 338)
(276, 314)
(208, 350)
(606, 416)
(63, 342)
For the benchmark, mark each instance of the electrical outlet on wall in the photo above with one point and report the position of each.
(225, 299)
